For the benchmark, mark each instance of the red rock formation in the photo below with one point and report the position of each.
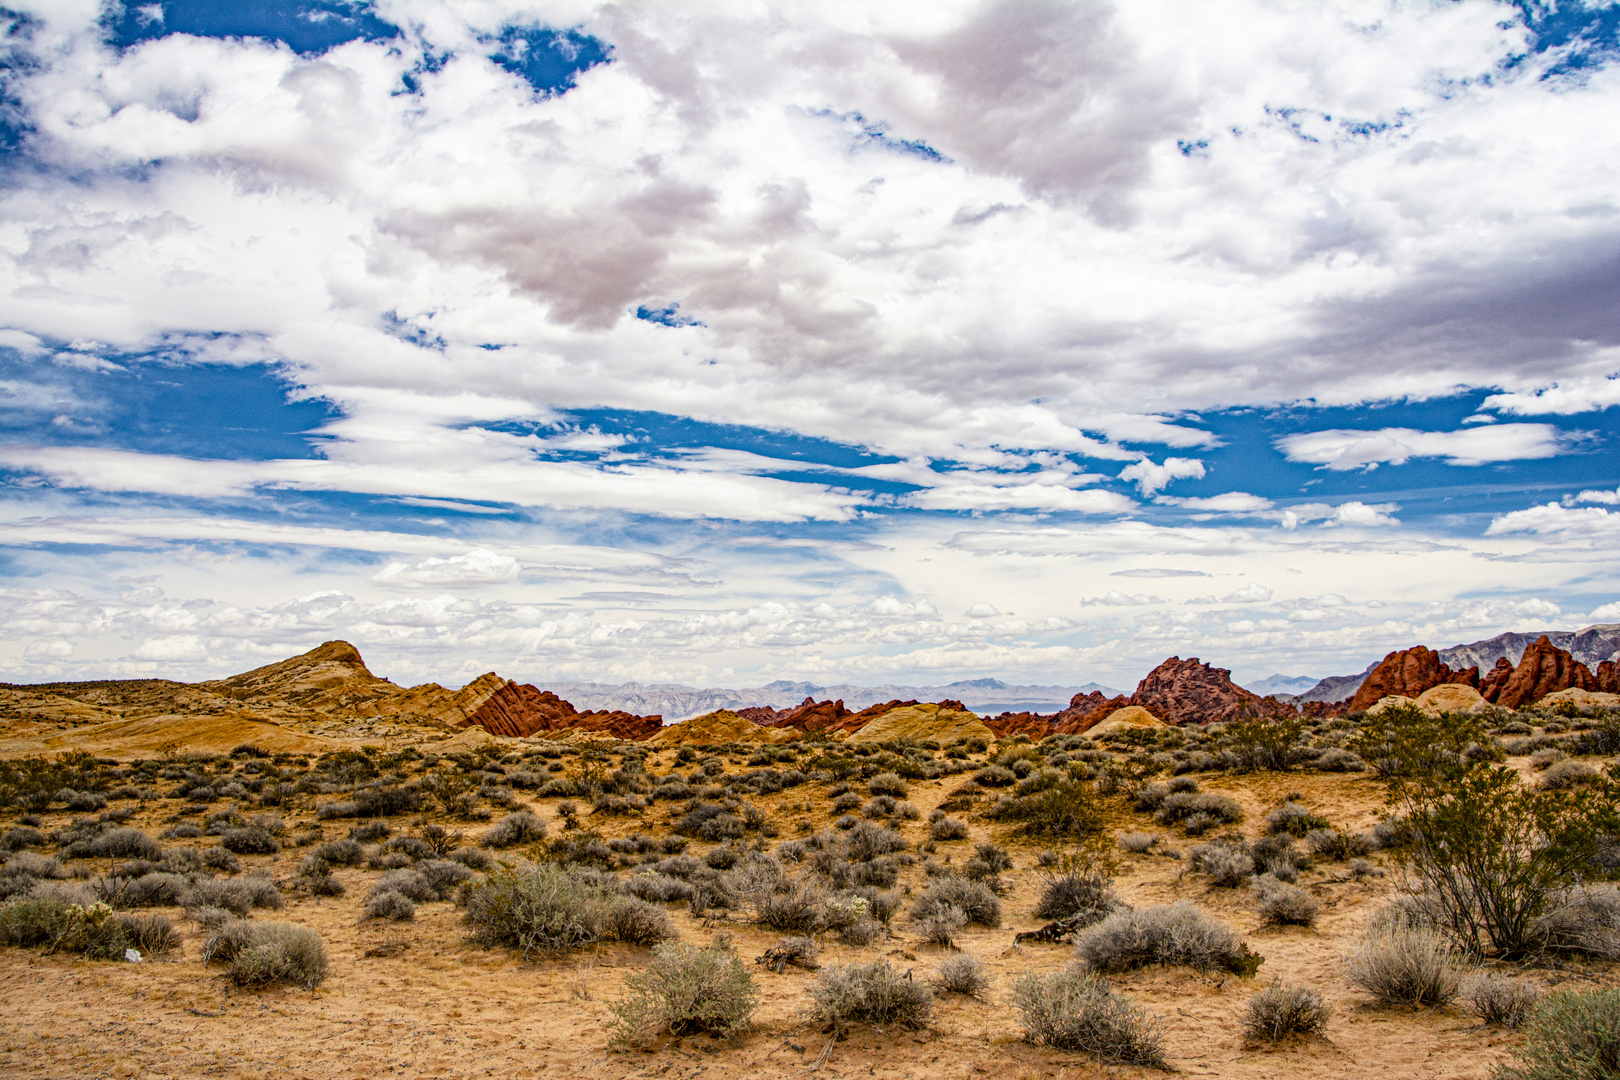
(519, 711)
(1608, 677)
(1085, 711)
(1490, 687)
(1189, 692)
(810, 715)
(1409, 673)
(763, 715)
(1543, 669)
(1321, 710)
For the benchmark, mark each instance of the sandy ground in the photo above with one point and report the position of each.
(414, 999)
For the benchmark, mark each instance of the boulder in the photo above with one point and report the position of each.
(1407, 674)
(1576, 696)
(852, 722)
(1450, 697)
(1544, 669)
(1190, 692)
(1390, 701)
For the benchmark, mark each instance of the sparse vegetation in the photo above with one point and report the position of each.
(1571, 1035)
(1281, 1010)
(268, 954)
(1074, 1010)
(871, 993)
(685, 990)
(1405, 965)
(1172, 934)
(1499, 1000)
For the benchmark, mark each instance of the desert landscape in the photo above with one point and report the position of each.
(306, 870)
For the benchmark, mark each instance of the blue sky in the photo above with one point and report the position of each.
(726, 344)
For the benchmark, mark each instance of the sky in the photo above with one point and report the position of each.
(728, 342)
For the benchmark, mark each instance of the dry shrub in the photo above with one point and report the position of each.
(637, 922)
(1074, 1010)
(1280, 1010)
(1586, 921)
(268, 954)
(962, 974)
(1571, 1035)
(1499, 1000)
(685, 990)
(1405, 965)
(390, 905)
(1138, 843)
(1176, 933)
(942, 925)
(870, 993)
(536, 908)
(972, 898)
(1282, 904)
(1227, 864)
(520, 827)
(1085, 895)
(948, 828)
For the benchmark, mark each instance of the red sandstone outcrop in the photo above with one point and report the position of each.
(1189, 692)
(519, 711)
(1084, 712)
(856, 721)
(1408, 673)
(1490, 687)
(810, 715)
(1608, 677)
(1543, 669)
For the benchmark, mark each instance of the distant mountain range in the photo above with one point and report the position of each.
(1282, 684)
(675, 701)
(1590, 646)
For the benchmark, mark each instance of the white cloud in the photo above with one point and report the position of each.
(1232, 502)
(1115, 598)
(981, 610)
(1354, 514)
(1588, 523)
(1610, 497)
(174, 647)
(1606, 613)
(1343, 450)
(48, 648)
(1150, 478)
(475, 568)
(1247, 594)
(1565, 397)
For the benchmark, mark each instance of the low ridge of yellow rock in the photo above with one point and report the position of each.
(1576, 696)
(923, 722)
(721, 726)
(1131, 716)
(1447, 697)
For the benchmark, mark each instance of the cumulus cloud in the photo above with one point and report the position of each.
(1150, 478)
(1612, 498)
(1354, 514)
(981, 610)
(474, 569)
(1251, 593)
(1115, 598)
(1344, 450)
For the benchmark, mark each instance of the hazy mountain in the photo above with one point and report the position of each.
(674, 701)
(1281, 684)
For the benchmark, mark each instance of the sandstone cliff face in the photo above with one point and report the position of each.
(1490, 687)
(1544, 669)
(1407, 674)
(1608, 677)
(1189, 692)
(852, 722)
(519, 711)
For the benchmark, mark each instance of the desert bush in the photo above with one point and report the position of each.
(1227, 864)
(1069, 808)
(156, 889)
(1281, 1010)
(1088, 894)
(268, 954)
(391, 905)
(636, 922)
(1264, 744)
(220, 859)
(323, 884)
(1499, 1000)
(1405, 965)
(408, 883)
(941, 925)
(685, 990)
(962, 974)
(339, 853)
(800, 909)
(870, 993)
(371, 832)
(1586, 920)
(1074, 1010)
(519, 827)
(948, 828)
(1569, 774)
(1336, 846)
(1571, 1035)
(1339, 759)
(1213, 806)
(237, 895)
(1405, 742)
(972, 898)
(1138, 843)
(251, 840)
(472, 858)
(536, 908)
(1294, 819)
(125, 844)
(1171, 934)
(152, 935)
(659, 888)
(887, 783)
(1282, 904)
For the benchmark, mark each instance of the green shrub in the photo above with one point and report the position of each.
(1074, 1010)
(686, 989)
(1281, 1010)
(870, 993)
(536, 908)
(1264, 744)
(1571, 1035)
